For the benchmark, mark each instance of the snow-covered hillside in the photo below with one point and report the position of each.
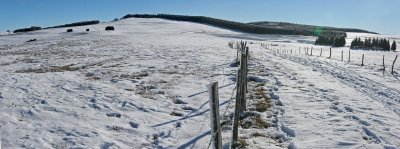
(144, 85)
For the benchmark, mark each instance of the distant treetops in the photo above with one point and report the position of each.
(335, 39)
(32, 28)
(35, 28)
(373, 44)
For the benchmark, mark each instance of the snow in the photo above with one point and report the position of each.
(144, 85)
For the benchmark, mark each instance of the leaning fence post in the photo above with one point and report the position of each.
(393, 64)
(215, 117)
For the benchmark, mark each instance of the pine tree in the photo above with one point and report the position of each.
(352, 44)
(359, 43)
(394, 46)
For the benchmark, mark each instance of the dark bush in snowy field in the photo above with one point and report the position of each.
(109, 28)
(87, 29)
(70, 30)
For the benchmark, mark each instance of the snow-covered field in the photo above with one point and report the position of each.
(144, 85)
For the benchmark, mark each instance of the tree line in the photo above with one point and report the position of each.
(243, 27)
(82, 23)
(373, 44)
(307, 27)
(32, 28)
(335, 39)
(35, 28)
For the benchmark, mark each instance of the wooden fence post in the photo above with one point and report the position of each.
(307, 51)
(349, 57)
(244, 82)
(342, 55)
(320, 53)
(330, 53)
(241, 89)
(383, 64)
(237, 56)
(291, 51)
(362, 60)
(236, 114)
(311, 50)
(215, 117)
(393, 64)
(246, 66)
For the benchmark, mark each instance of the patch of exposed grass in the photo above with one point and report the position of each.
(260, 123)
(257, 134)
(130, 89)
(242, 143)
(174, 113)
(51, 69)
(264, 102)
(259, 85)
(263, 105)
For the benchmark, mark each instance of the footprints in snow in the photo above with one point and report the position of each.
(328, 94)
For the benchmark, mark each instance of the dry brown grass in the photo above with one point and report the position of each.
(263, 101)
(256, 134)
(51, 69)
(259, 123)
(130, 89)
(242, 143)
(263, 105)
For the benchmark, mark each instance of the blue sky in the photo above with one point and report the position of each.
(374, 15)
